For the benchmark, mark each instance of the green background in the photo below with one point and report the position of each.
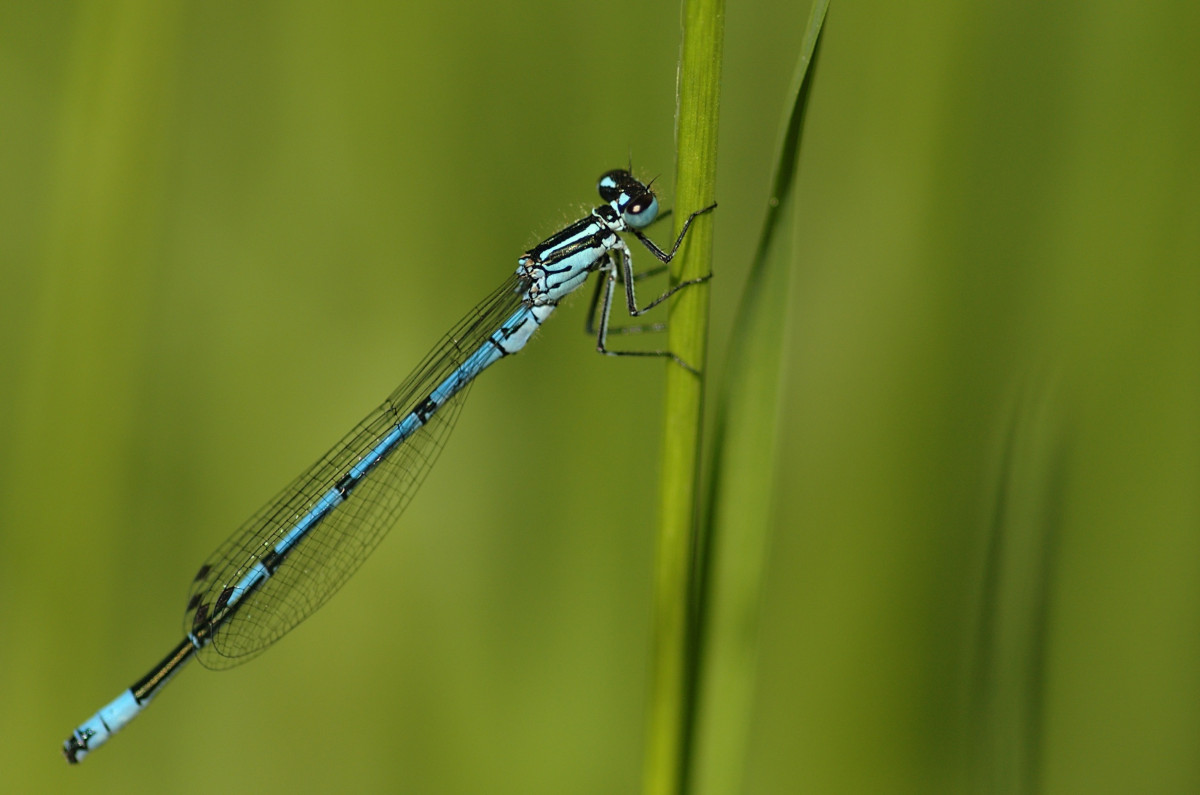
(228, 229)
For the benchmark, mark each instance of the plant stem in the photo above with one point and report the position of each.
(671, 710)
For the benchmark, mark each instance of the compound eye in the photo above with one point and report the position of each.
(610, 184)
(641, 211)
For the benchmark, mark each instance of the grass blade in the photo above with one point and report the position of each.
(1006, 713)
(740, 496)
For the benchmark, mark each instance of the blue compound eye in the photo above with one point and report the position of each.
(641, 211)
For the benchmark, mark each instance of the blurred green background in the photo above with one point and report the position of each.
(227, 230)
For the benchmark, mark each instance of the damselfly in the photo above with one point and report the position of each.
(295, 553)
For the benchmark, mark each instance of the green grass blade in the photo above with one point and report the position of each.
(695, 187)
(740, 496)
(1009, 658)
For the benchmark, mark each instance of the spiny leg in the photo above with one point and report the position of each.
(589, 322)
(624, 272)
(664, 257)
(609, 281)
(658, 252)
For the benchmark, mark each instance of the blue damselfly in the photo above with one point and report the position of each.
(291, 556)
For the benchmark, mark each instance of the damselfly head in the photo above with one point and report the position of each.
(635, 202)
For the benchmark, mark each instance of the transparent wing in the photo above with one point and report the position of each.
(333, 549)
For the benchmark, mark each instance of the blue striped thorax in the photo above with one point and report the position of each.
(561, 263)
